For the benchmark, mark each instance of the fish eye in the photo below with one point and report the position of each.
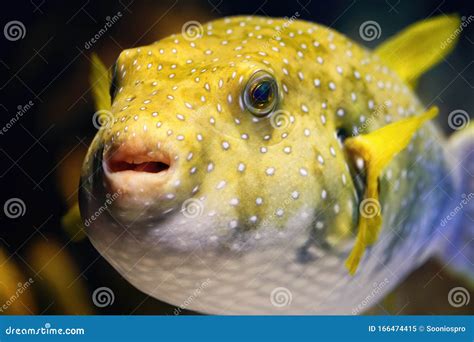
(261, 94)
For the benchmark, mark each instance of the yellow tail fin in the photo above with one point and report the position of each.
(419, 47)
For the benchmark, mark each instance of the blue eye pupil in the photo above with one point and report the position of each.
(262, 93)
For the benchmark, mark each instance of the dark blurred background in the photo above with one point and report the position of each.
(44, 74)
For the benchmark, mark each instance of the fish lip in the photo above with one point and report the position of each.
(138, 151)
(133, 183)
(112, 158)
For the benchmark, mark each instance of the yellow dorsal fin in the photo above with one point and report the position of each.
(420, 46)
(100, 79)
(377, 149)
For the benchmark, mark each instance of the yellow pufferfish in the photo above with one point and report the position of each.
(260, 166)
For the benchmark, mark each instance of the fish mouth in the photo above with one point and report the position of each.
(149, 163)
(135, 157)
(138, 171)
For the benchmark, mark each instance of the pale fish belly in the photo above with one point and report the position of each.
(279, 272)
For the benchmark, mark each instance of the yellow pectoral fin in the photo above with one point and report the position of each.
(100, 79)
(419, 47)
(72, 223)
(377, 149)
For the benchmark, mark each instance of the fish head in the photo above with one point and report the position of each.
(226, 141)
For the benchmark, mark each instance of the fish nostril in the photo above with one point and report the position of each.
(149, 166)
(342, 135)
